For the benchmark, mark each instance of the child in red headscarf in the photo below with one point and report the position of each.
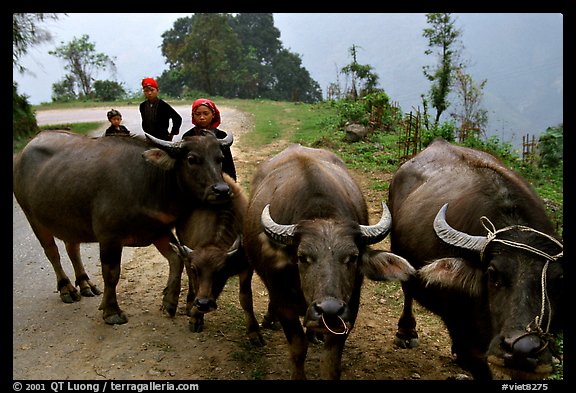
(206, 116)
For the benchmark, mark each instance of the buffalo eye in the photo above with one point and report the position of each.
(303, 259)
(194, 159)
(352, 259)
(494, 276)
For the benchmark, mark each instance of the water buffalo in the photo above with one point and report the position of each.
(489, 261)
(306, 232)
(211, 241)
(118, 192)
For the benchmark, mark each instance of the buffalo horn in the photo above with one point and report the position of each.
(372, 234)
(283, 234)
(234, 247)
(227, 141)
(167, 145)
(455, 237)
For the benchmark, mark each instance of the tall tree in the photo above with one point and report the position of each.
(443, 41)
(26, 32)
(361, 76)
(234, 56)
(206, 52)
(469, 112)
(83, 62)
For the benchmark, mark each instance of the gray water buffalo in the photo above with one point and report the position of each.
(117, 191)
(489, 261)
(211, 241)
(306, 232)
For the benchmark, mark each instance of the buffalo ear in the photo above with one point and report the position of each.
(453, 273)
(385, 266)
(159, 158)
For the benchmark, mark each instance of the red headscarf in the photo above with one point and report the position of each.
(149, 82)
(215, 112)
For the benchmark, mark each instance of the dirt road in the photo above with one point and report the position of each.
(57, 341)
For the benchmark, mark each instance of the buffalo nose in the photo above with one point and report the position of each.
(330, 306)
(525, 346)
(221, 189)
(204, 304)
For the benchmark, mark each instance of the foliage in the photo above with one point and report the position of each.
(442, 35)
(362, 80)
(26, 33)
(551, 147)
(108, 90)
(443, 130)
(472, 117)
(234, 56)
(64, 90)
(23, 118)
(82, 62)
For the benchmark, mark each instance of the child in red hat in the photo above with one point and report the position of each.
(157, 113)
(206, 116)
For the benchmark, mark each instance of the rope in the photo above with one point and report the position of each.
(492, 232)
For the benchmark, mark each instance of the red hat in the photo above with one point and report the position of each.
(211, 106)
(149, 82)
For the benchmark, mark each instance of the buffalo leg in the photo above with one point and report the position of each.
(110, 258)
(407, 336)
(68, 292)
(175, 266)
(247, 303)
(87, 288)
(297, 343)
(331, 361)
(469, 349)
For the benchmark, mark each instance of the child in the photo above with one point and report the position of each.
(205, 116)
(115, 118)
(156, 113)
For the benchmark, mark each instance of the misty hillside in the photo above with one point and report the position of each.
(521, 56)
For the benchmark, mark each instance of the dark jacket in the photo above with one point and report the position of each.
(156, 119)
(228, 166)
(123, 131)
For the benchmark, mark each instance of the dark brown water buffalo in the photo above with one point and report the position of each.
(306, 232)
(211, 239)
(489, 261)
(116, 191)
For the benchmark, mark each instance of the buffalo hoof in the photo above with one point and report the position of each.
(196, 325)
(116, 319)
(70, 296)
(90, 291)
(272, 324)
(169, 308)
(406, 342)
(256, 339)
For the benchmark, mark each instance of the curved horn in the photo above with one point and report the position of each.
(455, 237)
(172, 148)
(372, 234)
(227, 141)
(234, 247)
(283, 234)
(160, 142)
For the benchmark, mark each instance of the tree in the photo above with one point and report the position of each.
(234, 56)
(83, 62)
(442, 35)
(27, 33)
(206, 51)
(359, 74)
(470, 114)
